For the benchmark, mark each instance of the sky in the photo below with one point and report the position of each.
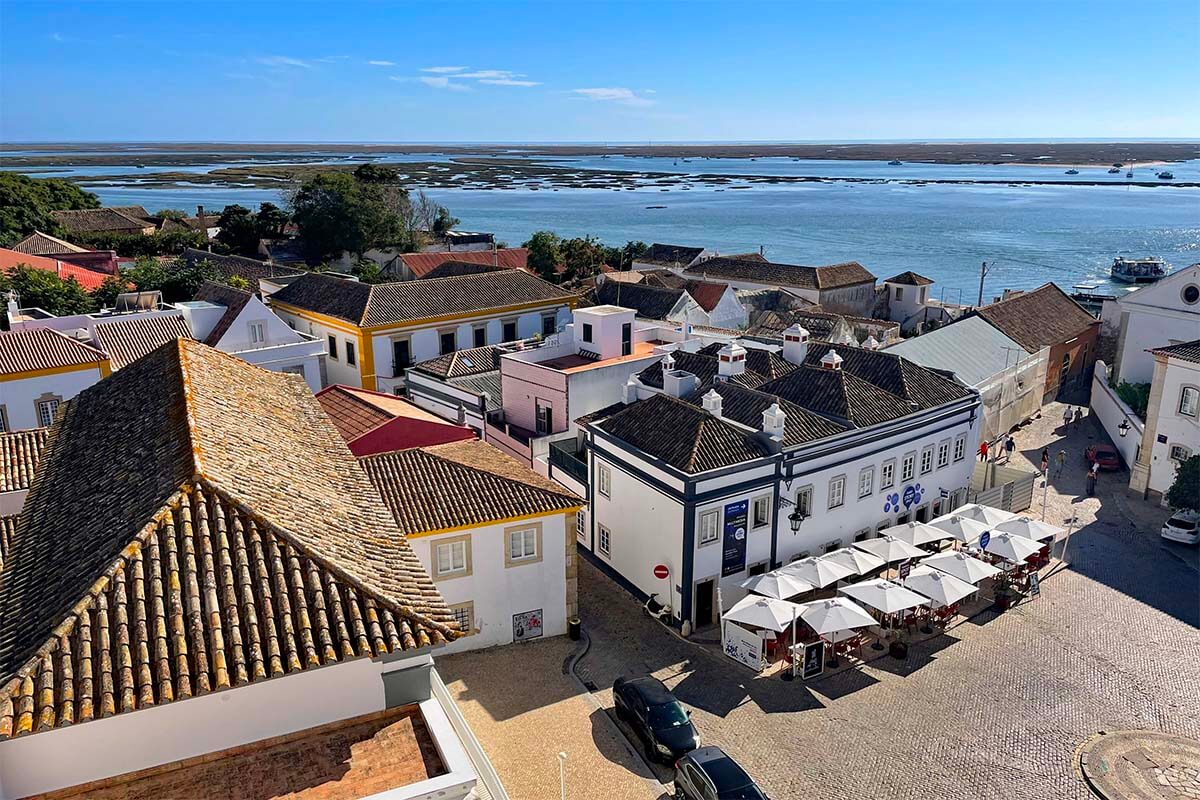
(598, 71)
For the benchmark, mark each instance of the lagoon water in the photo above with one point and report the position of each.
(1030, 234)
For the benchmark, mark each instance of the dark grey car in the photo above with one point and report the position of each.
(709, 774)
(659, 720)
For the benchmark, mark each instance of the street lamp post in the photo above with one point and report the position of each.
(562, 774)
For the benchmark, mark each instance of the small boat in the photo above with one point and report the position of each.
(1092, 301)
(1072, 172)
(894, 163)
(1166, 175)
(1118, 165)
(1138, 270)
(1114, 171)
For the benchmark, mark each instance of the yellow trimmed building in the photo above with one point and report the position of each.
(40, 369)
(372, 333)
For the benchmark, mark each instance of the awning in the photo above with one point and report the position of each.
(884, 595)
(965, 529)
(834, 614)
(860, 561)
(1011, 547)
(962, 566)
(818, 571)
(890, 549)
(1030, 528)
(778, 585)
(940, 587)
(916, 533)
(763, 612)
(986, 514)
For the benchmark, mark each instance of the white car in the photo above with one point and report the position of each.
(1183, 527)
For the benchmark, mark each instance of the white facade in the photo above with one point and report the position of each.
(1172, 430)
(1161, 314)
(729, 312)
(491, 590)
(27, 398)
(448, 401)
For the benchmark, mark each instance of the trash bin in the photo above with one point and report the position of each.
(574, 628)
(898, 649)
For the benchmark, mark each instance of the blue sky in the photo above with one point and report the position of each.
(592, 71)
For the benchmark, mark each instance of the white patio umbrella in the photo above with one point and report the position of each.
(762, 612)
(962, 566)
(884, 595)
(835, 614)
(779, 585)
(860, 561)
(940, 587)
(818, 571)
(1012, 547)
(965, 529)
(986, 514)
(916, 533)
(1030, 528)
(890, 549)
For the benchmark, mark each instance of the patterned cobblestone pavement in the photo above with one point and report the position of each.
(997, 708)
(1141, 765)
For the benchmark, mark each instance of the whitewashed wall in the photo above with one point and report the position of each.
(19, 397)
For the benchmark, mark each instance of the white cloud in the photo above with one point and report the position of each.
(614, 95)
(442, 70)
(507, 82)
(283, 61)
(443, 82)
(487, 73)
(382, 63)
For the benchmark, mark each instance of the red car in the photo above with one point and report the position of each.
(1105, 455)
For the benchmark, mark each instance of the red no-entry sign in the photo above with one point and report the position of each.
(661, 571)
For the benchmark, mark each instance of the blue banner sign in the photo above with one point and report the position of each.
(733, 558)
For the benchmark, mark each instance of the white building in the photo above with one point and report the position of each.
(847, 288)
(463, 386)
(39, 370)
(497, 538)
(1172, 427)
(909, 303)
(671, 256)
(703, 475)
(373, 333)
(1161, 314)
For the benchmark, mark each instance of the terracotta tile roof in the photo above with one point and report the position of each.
(373, 422)
(761, 366)
(1045, 316)
(650, 302)
(461, 484)
(892, 373)
(670, 255)
(410, 301)
(838, 394)
(137, 212)
(706, 293)
(910, 278)
(100, 219)
(746, 406)
(20, 452)
(1186, 351)
(832, 276)
(90, 280)
(42, 348)
(127, 340)
(507, 258)
(221, 294)
(191, 479)
(450, 268)
(8, 533)
(43, 244)
(461, 363)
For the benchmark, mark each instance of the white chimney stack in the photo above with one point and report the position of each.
(668, 363)
(831, 360)
(871, 343)
(773, 422)
(629, 393)
(712, 402)
(731, 360)
(678, 382)
(795, 345)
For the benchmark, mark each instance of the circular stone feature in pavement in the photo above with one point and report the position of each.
(1142, 765)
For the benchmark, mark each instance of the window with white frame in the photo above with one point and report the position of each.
(1180, 453)
(710, 527)
(1189, 400)
(761, 507)
(258, 333)
(604, 480)
(927, 460)
(46, 409)
(522, 544)
(887, 474)
(837, 491)
(866, 481)
(605, 540)
(960, 447)
(580, 524)
(943, 458)
(451, 558)
(907, 466)
(804, 501)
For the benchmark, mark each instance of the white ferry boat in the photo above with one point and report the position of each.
(1138, 270)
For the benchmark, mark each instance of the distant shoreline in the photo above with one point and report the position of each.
(1064, 154)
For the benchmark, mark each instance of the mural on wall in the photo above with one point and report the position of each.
(911, 496)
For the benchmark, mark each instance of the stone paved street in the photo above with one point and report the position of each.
(998, 707)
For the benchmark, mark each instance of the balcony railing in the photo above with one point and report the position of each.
(568, 456)
(495, 419)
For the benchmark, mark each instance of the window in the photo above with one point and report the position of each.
(831, 546)
(549, 324)
(480, 336)
(3, 419)
(757, 569)
(887, 474)
(626, 339)
(1066, 364)
(587, 331)
(351, 358)
(580, 525)
(837, 491)
(332, 340)
(1180, 453)
(906, 467)
(523, 545)
(46, 409)
(258, 333)
(603, 480)
(1190, 294)
(899, 293)
(762, 511)
(605, 540)
(452, 557)
(543, 417)
(804, 504)
(866, 482)
(1189, 399)
(943, 453)
(401, 355)
(960, 447)
(464, 615)
(510, 330)
(447, 342)
(862, 535)
(927, 460)
(710, 529)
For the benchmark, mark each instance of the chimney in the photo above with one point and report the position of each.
(678, 382)
(831, 360)
(795, 345)
(200, 214)
(668, 363)
(773, 422)
(495, 254)
(712, 402)
(629, 392)
(731, 360)
(13, 309)
(871, 343)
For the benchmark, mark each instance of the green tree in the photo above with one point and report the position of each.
(545, 254)
(39, 288)
(368, 271)
(135, 245)
(582, 257)
(239, 282)
(178, 280)
(239, 230)
(336, 213)
(1184, 493)
(1136, 396)
(271, 220)
(26, 204)
(376, 173)
(106, 295)
(171, 213)
(443, 222)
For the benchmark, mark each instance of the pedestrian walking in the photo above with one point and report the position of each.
(1009, 446)
(1066, 419)
(1060, 461)
(983, 450)
(1045, 460)
(1091, 484)
(1078, 416)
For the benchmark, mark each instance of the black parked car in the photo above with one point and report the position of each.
(661, 721)
(709, 774)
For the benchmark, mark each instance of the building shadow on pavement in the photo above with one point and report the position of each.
(920, 655)
(622, 752)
